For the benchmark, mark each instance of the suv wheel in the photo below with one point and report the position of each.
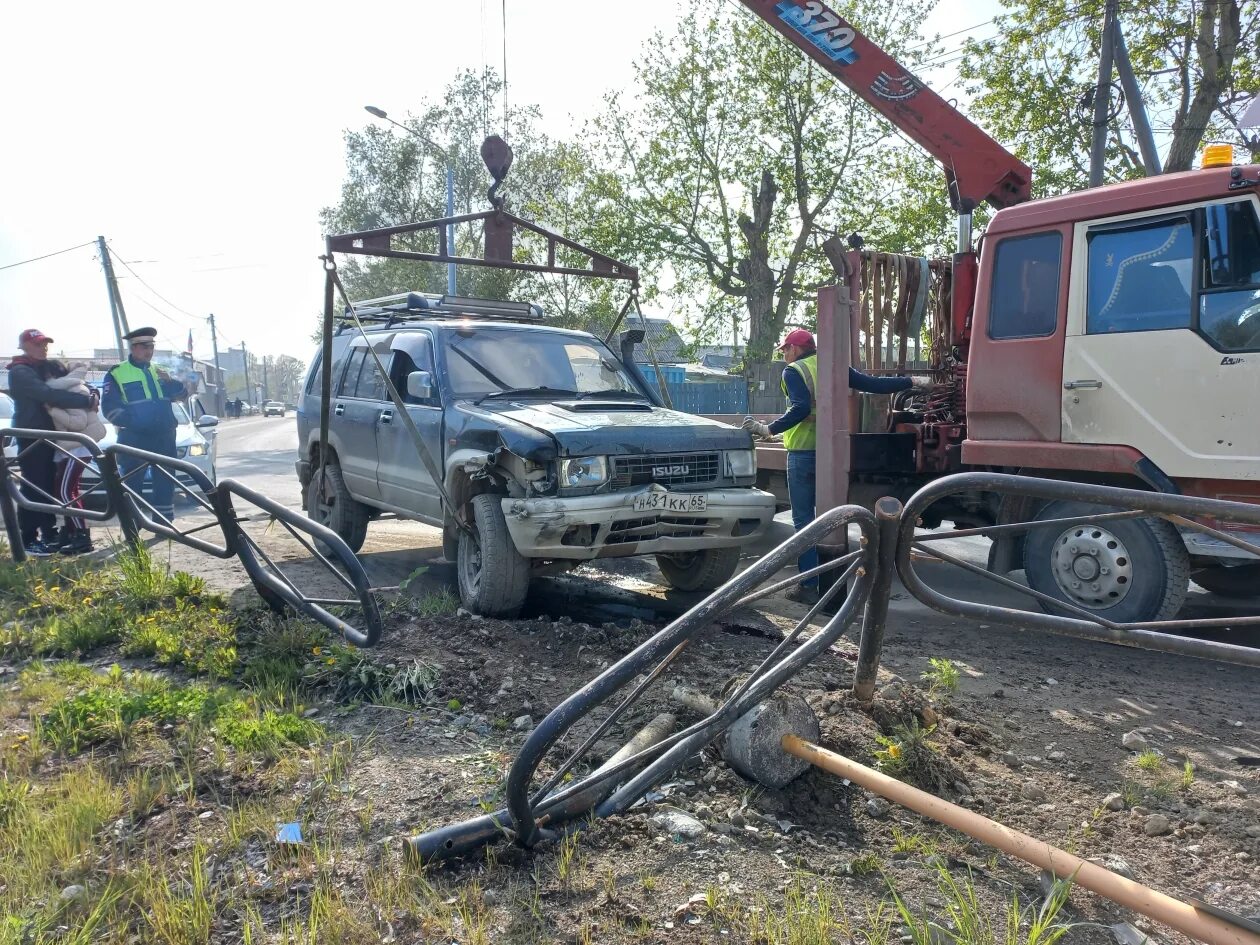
(330, 503)
(699, 570)
(1127, 570)
(493, 576)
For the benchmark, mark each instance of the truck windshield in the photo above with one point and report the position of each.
(531, 361)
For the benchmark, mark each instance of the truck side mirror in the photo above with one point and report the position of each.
(420, 385)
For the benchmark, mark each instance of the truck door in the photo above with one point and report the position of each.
(356, 409)
(1163, 339)
(405, 482)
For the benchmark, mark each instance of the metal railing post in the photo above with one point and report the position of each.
(107, 465)
(888, 520)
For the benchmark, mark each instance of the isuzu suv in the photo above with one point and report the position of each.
(552, 449)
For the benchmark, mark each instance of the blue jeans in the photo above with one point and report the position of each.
(161, 489)
(802, 469)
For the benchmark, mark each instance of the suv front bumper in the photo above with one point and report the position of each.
(608, 526)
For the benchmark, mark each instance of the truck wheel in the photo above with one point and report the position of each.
(334, 506)
(1240, 581)
(699, 570)
(1126, 570)
(493, 576)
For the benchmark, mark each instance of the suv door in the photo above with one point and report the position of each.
(356, 412)
(405, 482)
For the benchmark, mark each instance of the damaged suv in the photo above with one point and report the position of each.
(552, 450)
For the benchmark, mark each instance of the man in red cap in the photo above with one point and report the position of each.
(29, 374)
(799, 427)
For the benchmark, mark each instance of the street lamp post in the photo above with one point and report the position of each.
(450, 188)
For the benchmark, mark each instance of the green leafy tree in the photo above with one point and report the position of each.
(1195, 60)
(736, 156)
(286, 377)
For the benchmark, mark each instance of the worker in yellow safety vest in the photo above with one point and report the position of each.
(137, 401)
(799, 427)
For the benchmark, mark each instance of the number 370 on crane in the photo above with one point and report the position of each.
(821, 27)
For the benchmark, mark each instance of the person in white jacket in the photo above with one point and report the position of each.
(76, 539)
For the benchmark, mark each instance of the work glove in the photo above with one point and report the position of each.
(922, 382)
(756, 428)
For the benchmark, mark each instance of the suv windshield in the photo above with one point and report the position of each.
(486, 361)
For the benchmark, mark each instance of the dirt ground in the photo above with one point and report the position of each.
(1032, 737)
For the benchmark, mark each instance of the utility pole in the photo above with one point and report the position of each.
(1102, 97)
(115, 300)
(249, 391)
(220, 389)
(266, 383)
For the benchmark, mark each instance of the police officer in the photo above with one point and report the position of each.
(137, 400)
(799, 427)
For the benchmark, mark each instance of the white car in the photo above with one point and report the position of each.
(6, 420)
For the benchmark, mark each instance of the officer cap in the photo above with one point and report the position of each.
(141, 334)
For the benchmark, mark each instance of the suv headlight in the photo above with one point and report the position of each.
(197, 449)
(740, 464)
(583, 471)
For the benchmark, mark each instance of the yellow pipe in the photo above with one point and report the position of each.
(1155, 905)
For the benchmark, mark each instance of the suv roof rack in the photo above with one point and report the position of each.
(410, 306)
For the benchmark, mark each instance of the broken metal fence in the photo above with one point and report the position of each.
(1057, 615)
(537, 811)
(117, 496)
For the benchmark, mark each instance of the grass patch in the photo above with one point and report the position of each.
(109, 707)
(941, 676)
(202, 640)
(963, 921)
(908, 755)
(355, 677)
(1187, 775)
(1149, 760)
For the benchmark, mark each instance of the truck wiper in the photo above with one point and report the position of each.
(542, 389)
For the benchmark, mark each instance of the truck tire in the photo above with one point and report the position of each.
(1147, 568)
(704, 570)
(335, 507)
(493, 575)
(1240, 581)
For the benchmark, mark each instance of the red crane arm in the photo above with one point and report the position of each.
(977, 167)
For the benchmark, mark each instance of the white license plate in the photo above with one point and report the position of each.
(670, 502)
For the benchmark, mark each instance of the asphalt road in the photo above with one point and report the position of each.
(260, 451)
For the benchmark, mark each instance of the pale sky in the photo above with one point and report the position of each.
(203, 140)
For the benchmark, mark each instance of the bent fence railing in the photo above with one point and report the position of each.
(1059, 614)
(122, 498)
(536, 811)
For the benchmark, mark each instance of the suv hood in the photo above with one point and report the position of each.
(620, 429)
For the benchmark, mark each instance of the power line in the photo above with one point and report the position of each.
(47, 255)
(124, 264)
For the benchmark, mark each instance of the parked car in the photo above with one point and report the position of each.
(273, 408)
(553, 450)
(6, 421)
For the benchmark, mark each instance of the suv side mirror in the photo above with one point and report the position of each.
(420, 385)
(207, 420)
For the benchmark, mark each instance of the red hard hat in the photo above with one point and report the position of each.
(799, 337)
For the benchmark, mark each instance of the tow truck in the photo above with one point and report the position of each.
(1109, 336)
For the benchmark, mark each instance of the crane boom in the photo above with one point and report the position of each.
(976, 166)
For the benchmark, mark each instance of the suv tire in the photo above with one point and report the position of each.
(493, 575)
(336, 507)
(704, 570)
(1148, 568)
